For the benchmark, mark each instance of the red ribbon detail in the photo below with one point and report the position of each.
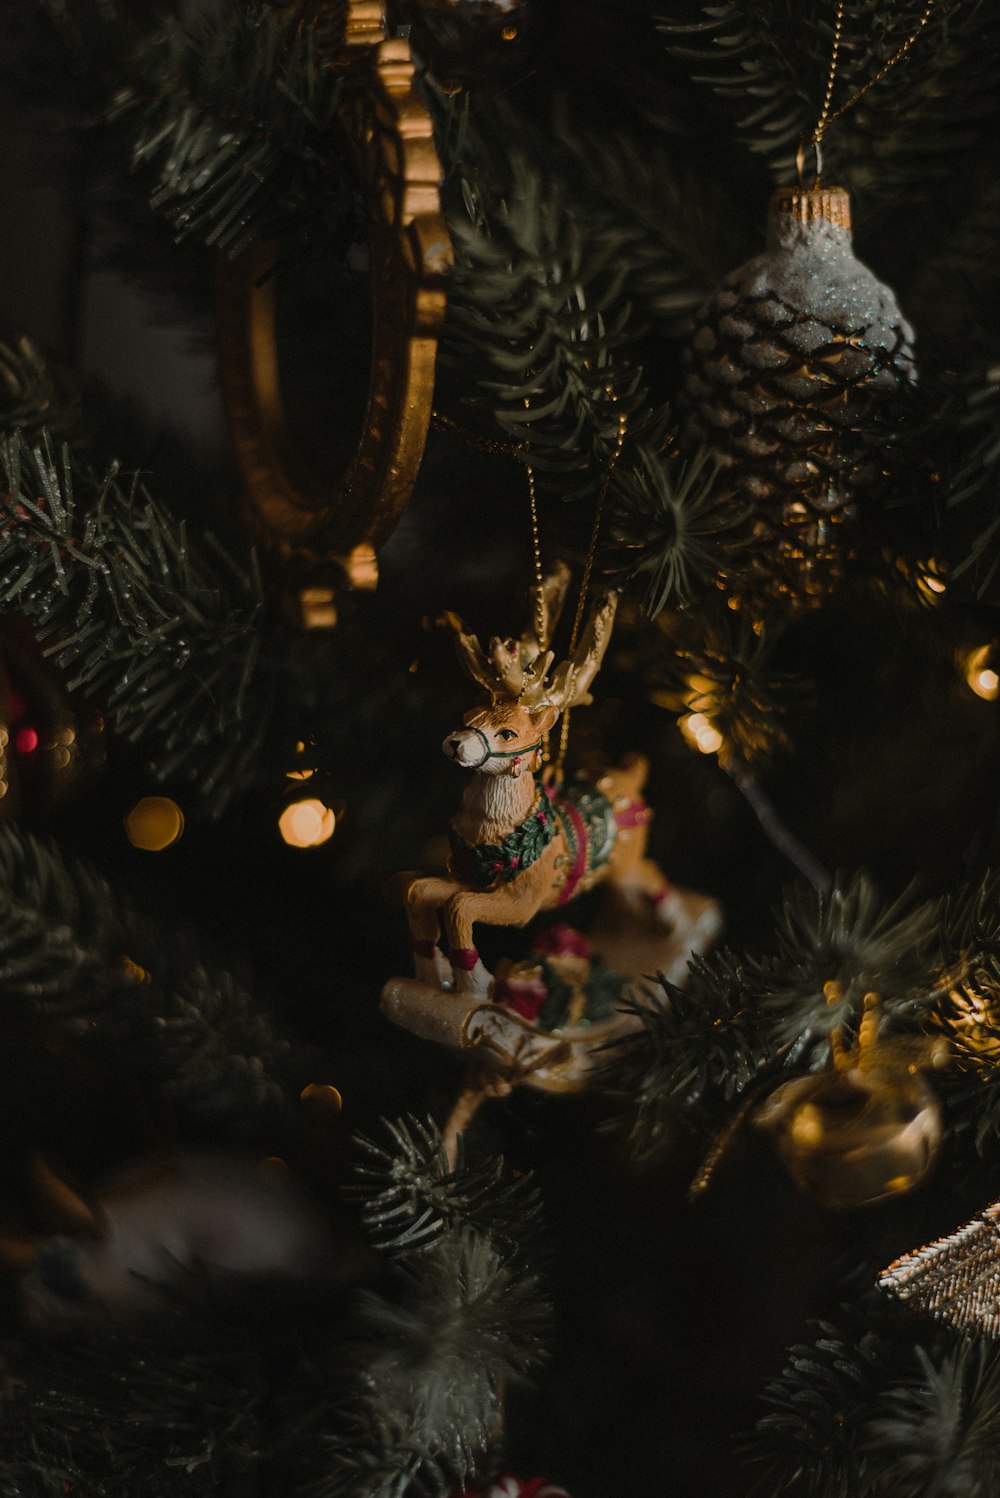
(635, 814)
(567, 809)
(463, 958)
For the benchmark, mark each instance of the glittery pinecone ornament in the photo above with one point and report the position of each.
(793, 378)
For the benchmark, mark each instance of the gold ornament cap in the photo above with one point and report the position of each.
(793, 207)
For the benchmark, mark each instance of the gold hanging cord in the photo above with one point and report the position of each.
(826, 119)
(616, 453)
(444, 423)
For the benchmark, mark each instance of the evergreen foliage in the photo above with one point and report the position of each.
(868, 1409)
(676, 513)
(165, 632)
(412, 1196)
(400, 1397)
(173, 1410)
(233, 110)
(76, 956)
(461, 1315)
(719, 664)
(33, 395)
(698, 1049)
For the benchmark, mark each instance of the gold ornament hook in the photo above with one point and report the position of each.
(826, 119)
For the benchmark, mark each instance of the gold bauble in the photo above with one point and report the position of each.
(852, 1138)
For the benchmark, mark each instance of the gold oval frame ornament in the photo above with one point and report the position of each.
(327, 530)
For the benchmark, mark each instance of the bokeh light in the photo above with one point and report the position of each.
(978, 668)
(154, 823)
(700, 733)
(322, 1101)
(307, 823)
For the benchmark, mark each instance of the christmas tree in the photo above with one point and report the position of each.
(647, 353)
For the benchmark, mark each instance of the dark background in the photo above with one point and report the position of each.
(668, 1316)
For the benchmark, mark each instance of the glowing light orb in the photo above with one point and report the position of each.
(700, 733)
(322, 1100)
(154, 823)
(980, 675)
(307, 824)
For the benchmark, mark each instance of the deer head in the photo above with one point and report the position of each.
(524, 694)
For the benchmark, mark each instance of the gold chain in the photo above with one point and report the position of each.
(826, 119)
(616, 453)
(442, 423)
(536, 548)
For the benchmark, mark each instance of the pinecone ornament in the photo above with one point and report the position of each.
(793, 377)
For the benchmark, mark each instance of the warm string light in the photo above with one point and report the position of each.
(322, 1101)
(699, 731)
(977, 668)
(307, 823)
(154, 823)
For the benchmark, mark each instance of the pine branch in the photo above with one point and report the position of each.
(166, 634)
(536, 298)
(834, 948)
(939, 1431)
(34, 395)
(176, 1409)
(57, 922)
(699, 1048)
(233, 109)
(868, 1410)
(434, 1367)
(75, 955)
(812, 1441)
(677, 255)
(768, 61)
(743, 51)
(412, 1197)
(675, 520)
(715, 663)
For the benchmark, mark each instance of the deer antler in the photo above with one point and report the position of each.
(570, 683)
(516, 669)
(511, 669)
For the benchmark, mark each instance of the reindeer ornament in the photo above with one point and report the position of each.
(520, 846)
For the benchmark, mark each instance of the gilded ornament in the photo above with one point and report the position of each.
(326, 528)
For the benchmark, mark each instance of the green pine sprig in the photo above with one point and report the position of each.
(834, 948)
(164, 631)
(34, 395)
(881, 1404)
(233, 111)
(79, 959)
(698, 1050)
(675, 521)
(717, 662)
(412, 1196)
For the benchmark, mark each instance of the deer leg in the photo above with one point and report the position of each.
(498, 907)
(423, 898)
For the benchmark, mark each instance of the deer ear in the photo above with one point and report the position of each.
(545, 718)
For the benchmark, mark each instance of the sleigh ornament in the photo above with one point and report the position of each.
(522, 845)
